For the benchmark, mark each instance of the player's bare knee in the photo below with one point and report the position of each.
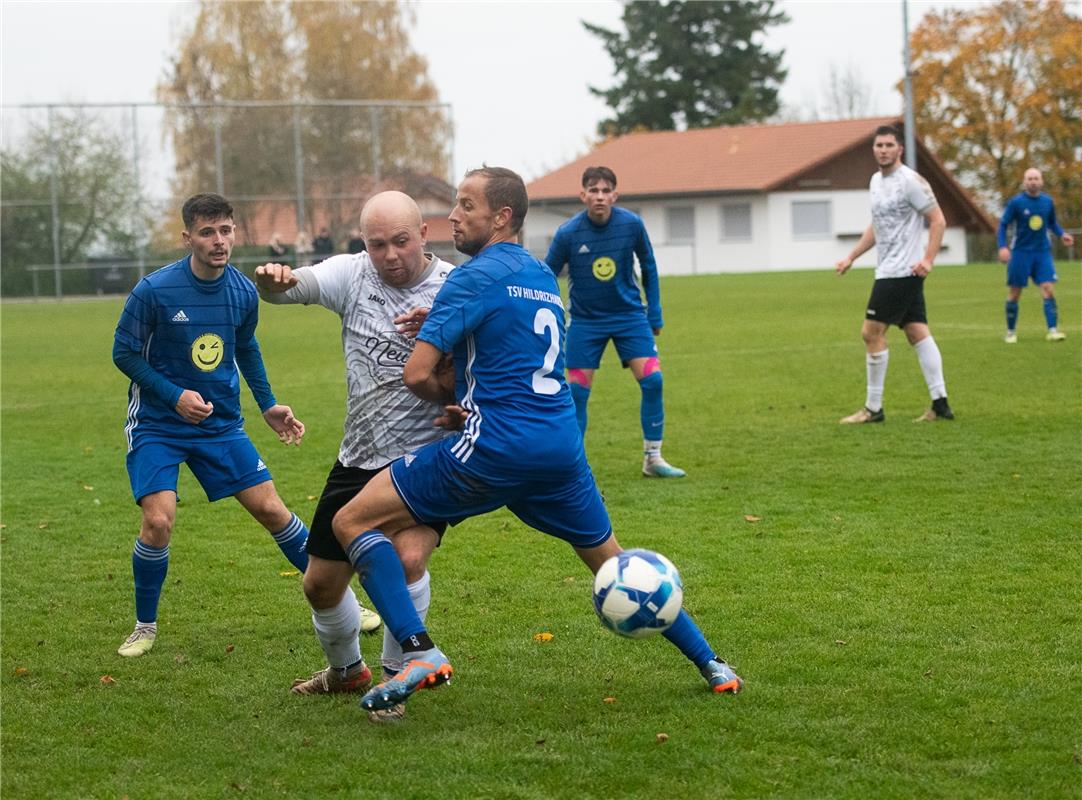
(320, 592)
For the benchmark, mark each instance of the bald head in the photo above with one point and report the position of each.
(394, 235)
(1032, 181)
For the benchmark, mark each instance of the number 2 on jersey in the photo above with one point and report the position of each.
(544, 321)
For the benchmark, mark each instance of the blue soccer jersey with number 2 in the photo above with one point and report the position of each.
(501, 316)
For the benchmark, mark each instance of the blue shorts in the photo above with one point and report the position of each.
(436, 488)
(222, 467)
(586, 340)
(1026, 264)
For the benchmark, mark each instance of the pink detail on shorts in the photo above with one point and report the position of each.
(651, 366)
(580, 376)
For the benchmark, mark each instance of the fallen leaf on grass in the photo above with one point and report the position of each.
(662, 738)
(88, 488)
(751, 518)
(539, 742)
(21, 672)
(289, 573)
(312, 497)
(544, 636)
(840, 642)
(229, 648)
(609, 700)
(42, 526)
(108, 680)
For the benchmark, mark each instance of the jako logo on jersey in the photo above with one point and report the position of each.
(180, 316)
(584, 249)
(260, 466)
(375, 298)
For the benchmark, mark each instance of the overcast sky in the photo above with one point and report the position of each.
(515, 73)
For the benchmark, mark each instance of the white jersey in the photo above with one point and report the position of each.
(899, 202)
(384, 419)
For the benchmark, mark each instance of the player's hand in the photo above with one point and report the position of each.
(1004, 254)
(453, 418)
(411, 322)
(843, 265)
(1067, 239)
(275, 277)
(922, 268)
(290, 430)
(192, 407)
(657, 331)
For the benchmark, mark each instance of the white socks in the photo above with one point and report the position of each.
(877, 376)
(338, 628)
(931, 364)
(421, 595)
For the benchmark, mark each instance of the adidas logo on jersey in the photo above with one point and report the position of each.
(259, 467)
(584, 249)
(180, 316)
(408, 458)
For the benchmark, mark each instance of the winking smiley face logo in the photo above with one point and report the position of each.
(604, 268)
(207, 351)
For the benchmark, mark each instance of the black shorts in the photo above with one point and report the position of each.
(897, 301)
(343, 483)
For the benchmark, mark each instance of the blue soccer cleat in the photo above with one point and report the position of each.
(721, 677)
(426, 670)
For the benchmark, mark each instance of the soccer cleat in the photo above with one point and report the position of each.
(139, 643)
(370, 620)
(1011, 337)
(939, 410)
(332, 681)
(1055, 336)
(862, 416)
(721, 677)
(658, 467)
(427, 670)
(388, 716)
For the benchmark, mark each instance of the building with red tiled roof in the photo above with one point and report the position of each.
(748, 198)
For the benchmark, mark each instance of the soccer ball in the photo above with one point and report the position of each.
(638, 593)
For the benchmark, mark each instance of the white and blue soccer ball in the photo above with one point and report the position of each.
(638, 593)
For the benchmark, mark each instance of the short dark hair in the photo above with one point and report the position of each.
(504, 188)
(593, 174)
(890, 130)
(206, 205)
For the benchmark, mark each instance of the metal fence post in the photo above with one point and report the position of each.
(141, 246)
(219, 168)
(298, 162)
(54, 198)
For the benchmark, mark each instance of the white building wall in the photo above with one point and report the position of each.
(773, 246)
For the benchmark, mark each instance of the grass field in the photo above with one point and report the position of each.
(904, 604)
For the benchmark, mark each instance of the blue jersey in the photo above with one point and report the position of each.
(178, 332)
(601, 266)
(1033, 218)
(501, 316)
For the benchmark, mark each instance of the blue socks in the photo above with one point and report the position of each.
(148, 565)
(685, 634)
(292, 540)
(1012, 314)
(580, 394)
(652, 412)
(375, 561)
(1050, 313)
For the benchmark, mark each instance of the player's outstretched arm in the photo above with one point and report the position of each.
(290, 430)
(274, 278)
(867, 241)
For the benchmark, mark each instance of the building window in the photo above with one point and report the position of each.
(811, 219)
(736, 222)
(680, 224)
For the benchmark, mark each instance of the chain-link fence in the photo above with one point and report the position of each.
(91, 193)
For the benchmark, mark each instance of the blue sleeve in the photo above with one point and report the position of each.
(1052, 223)
(132, 332)
(456, 312)
(1004, 221)
(250, 361)
(558, 256)
(644, 251)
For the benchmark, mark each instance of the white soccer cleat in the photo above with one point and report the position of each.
(140, 642)
(1055, 336)
(1011, 337)
(370, 621)
(658, 467)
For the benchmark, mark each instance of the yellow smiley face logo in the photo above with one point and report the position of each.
(604, 268)
(1035, 222)
(207, 351)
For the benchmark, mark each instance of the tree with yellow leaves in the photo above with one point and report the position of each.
(997, 89)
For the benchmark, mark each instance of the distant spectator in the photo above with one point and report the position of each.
(277, 248)
(323, 245)
(303, 248)
(356, 242)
